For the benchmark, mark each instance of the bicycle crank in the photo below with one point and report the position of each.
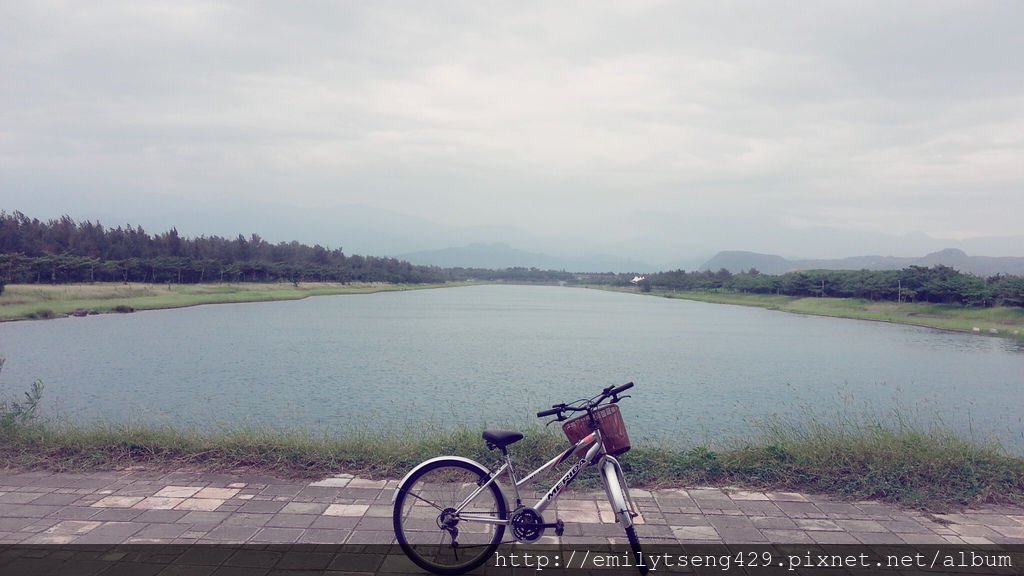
(528, 525)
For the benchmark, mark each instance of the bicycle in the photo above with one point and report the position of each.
(450, 514)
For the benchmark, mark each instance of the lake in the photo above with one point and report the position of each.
(497, 354)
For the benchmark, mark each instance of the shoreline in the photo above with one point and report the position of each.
(997, 322)
(43, 302)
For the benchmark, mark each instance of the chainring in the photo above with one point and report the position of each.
(525, 524)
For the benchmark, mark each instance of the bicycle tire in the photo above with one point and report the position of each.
(419, 509)
(634, 543)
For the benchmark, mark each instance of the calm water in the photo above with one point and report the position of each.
(497, 354)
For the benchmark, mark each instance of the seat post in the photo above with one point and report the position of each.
(512, 476)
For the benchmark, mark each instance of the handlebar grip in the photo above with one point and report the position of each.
(621, 389)
(550, 412)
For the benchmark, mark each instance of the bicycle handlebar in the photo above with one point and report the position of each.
(620, 389)
(554, 410)
(611, 391)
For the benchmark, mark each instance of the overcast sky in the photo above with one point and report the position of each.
(655, 127)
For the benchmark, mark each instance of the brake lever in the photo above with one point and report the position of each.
(559, 418)
(616, 398)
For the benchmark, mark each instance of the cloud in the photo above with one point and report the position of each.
(556, 118)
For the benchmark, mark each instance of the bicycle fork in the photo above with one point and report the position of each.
(617, 491)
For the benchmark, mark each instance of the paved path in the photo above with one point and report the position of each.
(186, 508)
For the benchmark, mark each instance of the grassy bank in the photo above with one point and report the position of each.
(930, 470)
(997, 321)
(21, 302)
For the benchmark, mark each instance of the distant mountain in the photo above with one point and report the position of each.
(499, 256)
(737, 261)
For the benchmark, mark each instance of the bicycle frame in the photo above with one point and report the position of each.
(595, 454)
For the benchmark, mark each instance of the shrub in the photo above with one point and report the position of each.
(13, 413)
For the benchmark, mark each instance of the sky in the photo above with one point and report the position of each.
(644, 129)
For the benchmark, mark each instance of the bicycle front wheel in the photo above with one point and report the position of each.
(436, 524)
(634, 543)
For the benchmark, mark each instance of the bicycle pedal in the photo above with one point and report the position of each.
(559, 527)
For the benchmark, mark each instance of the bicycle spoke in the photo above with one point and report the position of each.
(428, 522)
(418, 497)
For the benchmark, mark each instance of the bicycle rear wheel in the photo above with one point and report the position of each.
(430, 528)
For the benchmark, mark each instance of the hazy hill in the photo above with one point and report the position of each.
(736, 261)
(499, 255)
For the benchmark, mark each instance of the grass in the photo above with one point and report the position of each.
(291, 453)
(1001, 321)
(854, 456)
(27, 302)
(902, 463)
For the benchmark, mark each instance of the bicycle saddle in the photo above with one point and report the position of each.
(501, 438)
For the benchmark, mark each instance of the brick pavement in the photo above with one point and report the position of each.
(206, 508)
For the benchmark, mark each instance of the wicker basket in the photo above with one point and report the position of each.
(609, 420)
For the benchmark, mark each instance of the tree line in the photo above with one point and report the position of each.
(60, 251)
(65, 251)
(938, 284)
